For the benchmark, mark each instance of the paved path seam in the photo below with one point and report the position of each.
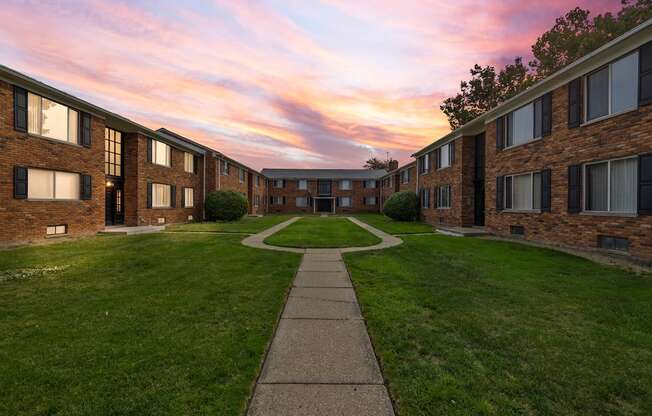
(321, 361)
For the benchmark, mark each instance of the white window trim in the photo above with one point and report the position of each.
(425, 201)
(608, 212)
(426, 159)
(40, 134)
(242, 174)
(185, 198)
(299, 185)
(347, 188)
(188, 159)
(448, 145)
(505, 127)
(450, 202)
(585, 95)
(348, 198)
(527, 210)
(168, 159)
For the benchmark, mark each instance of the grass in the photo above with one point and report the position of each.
(248, 225)
(477, 327)
(394, 227)
(323, 233)
(143, 325)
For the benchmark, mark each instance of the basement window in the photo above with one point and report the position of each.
(53, 230)
(517, 230)
(613, 243)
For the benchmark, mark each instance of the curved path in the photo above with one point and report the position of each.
(321, 361)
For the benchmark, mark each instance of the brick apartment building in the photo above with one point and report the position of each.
(70, 168)
(397, 180)
(338, 191)
(567, 162)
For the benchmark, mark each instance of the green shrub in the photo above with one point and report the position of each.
(402, 206)
(225, 206)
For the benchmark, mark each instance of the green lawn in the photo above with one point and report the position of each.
(394, 227)
(159, 324)
(476, 327)
(249, 225)
(323, 232)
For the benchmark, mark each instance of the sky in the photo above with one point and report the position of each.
(273, 83)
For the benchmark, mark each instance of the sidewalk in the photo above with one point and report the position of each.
(321, 361)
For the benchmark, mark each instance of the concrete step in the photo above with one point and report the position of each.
(461, 231)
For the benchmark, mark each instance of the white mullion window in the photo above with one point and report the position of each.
(161, 195)
(188, 162)
(50, 119)
(612, 89)
(160, 153)
(52, 185)
(444, 156)
(444, 197)
(611, 186)
(523, 192)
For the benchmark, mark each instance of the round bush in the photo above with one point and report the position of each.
(402, 206)
(225, 206)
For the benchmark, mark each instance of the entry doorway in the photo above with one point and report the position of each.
(324, 205)
(114, 203)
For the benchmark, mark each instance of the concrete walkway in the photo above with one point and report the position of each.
(321, 361)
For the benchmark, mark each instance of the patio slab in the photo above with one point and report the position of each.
(320, 400)
(322, 279)
(322, 303)
(321, 351)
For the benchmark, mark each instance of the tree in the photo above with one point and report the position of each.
(375, 163)
(571, 37)
(485, 90)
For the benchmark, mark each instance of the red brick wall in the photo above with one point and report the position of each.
(23, 220)
(256, 190)
(136, 184)
(291, 192)
(628, 134)
(411, 184)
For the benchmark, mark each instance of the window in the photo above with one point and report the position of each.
(370, 200)
(424, 163)
(256, 200)
(612, 89)
(188, 197)
(444, 196)
(613, 243)
(370, 184)
(425, 198)
(345, 201)
(405, 176)
(188, 162)
(112, 152)
(523, 192)
(48, 184)
(56, 229)
(160, 153)
(279, 183)
(241, 175)
(611, 186)
(277, 200)
(303, 184)
(345, 185)
(225, 168)
(302, 201)
(517, 230)
(50, 119)
(257, 181)
(160, 195)
(444, 156)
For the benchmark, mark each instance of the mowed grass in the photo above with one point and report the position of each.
(471, 327)
(247, 225)
(390, 226)
(159, 324)
(320, 232)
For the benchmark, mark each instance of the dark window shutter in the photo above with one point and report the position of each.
(271, 200)
(500, 133)
(283, 200)
(150, 144)
(645, 74)
(546, 115)
(645, 184)
(364, 184)
(86, 187)
(149, 194)
(20, 109)
(435, 197)
(451, 152)
(20, 182)
(575, 103)
(500, 193)
(283, 186)
(509, 188)
(173, 196)
(86, 130)
(574, 189)
(546, 188)
(337, 201)
(195, 162)
(183, 197)
(364, 200)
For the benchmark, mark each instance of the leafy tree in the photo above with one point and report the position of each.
(485, 90)
(572, 36)
(375, 163)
